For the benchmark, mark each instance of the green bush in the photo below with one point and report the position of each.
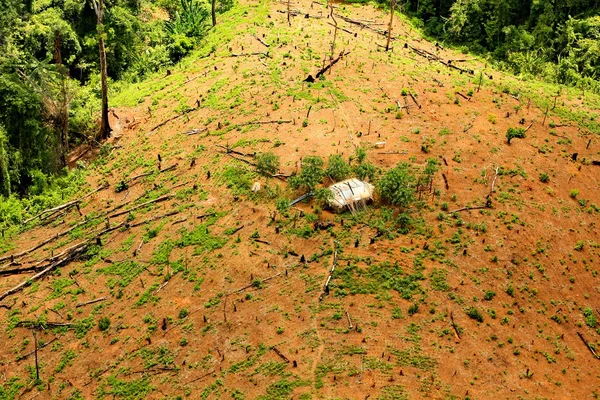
(515, 133)
(474, 313)
(544, 177)
(311, 175)
(396, 186)
(267, 163)
(104, 324)
(337, 168)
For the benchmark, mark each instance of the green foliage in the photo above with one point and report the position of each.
(558, 43)
(66, 360)
(322, 196)
(104, 324)
(267, 163)
(131, 389)
(438, 280)
(283, 206)
(397, 186)
(189, 21)
(337, 168)
(474, 313)
(544, 177)
(310, 176)
(590, 317)
(512, 133)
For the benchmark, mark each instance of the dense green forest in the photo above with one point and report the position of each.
(557, 40)
(50, 86)
(50, 89)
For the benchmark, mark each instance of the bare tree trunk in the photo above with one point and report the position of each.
(62, 119)
(213, 11)
(389, 37)
(104, 124)
(335, 28)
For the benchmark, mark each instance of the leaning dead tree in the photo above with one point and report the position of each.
(104, 125)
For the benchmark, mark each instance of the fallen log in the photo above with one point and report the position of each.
(331, 64)
(454, 326)
(80, 249)
(173, 118)
(168, 214)
(194, 131)
(284, 358)
(157, 200)
(280, 121)
(343, 29)
(44, 242)
(253, 284)
(256, 53)
(91, 302)
(262, 41)
(590, 348)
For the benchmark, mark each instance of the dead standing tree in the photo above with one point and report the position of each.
(389, 32)
(104, 124)
(335, 28)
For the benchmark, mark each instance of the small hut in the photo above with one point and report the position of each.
(351, 193)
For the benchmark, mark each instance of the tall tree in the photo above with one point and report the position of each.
(104, 124)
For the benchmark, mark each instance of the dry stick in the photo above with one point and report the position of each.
(276, 121)
(530, 125)
(37, 368)
(446, 181)
(545, 115)
(91, 302)
(250, 285)
(261, 41)
(415, 100)
(153, 219)
(456, 332)
(588, 345)
(173, 119)
(284, 358)
(334, 30)
(201, 377)
(463, 96)
(343, 29)
(139, 248)
(194, 131)
(494, 181)
(230, 150)
(256, 53)
(308, 112)
(588, 144)
(349, 320)
(24, 356)
(157, 200)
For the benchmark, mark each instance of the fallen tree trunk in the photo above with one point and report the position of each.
(80, 249)
(157, 200)
(331, 64)
(90, 302)
(253, 284)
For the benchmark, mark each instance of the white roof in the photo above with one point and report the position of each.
(350, 191)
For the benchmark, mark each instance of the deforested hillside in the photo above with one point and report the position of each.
(180, 267)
